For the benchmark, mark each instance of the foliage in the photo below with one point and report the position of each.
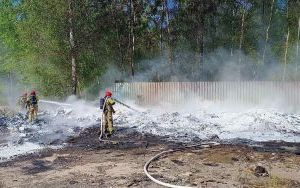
(35, 35)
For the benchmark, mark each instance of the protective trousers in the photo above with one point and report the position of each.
(33, 109)
(108, 121)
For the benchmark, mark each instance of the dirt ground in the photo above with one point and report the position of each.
(87, 163)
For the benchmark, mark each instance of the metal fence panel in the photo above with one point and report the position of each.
(241, 92)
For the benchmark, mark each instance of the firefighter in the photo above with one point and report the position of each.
(32, 106)
(22, 102)
(108, 110)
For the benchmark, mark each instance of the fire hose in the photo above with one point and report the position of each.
(156, 157)
(102, 118)
(127, 106)
(203, 145)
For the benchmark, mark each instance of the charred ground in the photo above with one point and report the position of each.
(86, 162)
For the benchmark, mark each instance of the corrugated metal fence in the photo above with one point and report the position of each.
(244, 92)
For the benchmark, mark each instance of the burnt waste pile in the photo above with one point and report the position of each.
(54, 125)
(77, 123)
(44, 130)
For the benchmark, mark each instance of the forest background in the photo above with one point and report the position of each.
(63, 47)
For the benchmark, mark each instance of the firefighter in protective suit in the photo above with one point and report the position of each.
(32, 106)
(108, 111)
(22, 102)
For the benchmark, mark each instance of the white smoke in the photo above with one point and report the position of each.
(56, 122)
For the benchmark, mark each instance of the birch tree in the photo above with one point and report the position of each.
(241, 39)
(169, 42)
(267, 32)
(286, 43)
(297, 48)
(73, 48)
(132, 36)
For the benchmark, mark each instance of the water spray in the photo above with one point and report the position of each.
(127, 106)
(56, 103)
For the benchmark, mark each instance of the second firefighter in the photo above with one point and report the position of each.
(106, 104)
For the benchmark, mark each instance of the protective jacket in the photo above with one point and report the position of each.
(23, 102)
(33, 100)
(108, 105)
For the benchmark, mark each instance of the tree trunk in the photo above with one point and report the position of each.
(232, 37)
(161, 28)
(120, 50)
(286, 44)
(132, 24)
(285, 54)
(297, 52)
(267, 31)
(241, 41)
(73, 49)
(170, 47)
(263, 9)
(200, 48)
(201, 42)
(199, 56)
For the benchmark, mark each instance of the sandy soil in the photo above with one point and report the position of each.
(229, 166)
(119, 163)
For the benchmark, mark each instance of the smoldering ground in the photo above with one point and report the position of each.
(56, 122)
(59, 120)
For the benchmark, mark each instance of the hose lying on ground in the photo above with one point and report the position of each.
(203, 145)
